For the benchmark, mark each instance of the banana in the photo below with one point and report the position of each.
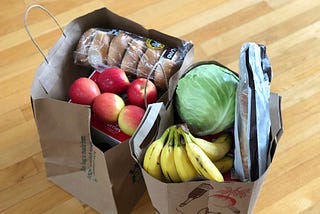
(151, 161)
(217, 149)
(225, 164)
(201, 161)
(185, 169)
(167, 164)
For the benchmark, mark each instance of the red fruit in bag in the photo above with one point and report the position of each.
(139, 89)
(83, 91)
(107, 107)
(129, 118)
(113, 80)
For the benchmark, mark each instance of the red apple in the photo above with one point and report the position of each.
(129, 118)
(107, 107)
(113, 80)
(137, 91)
(83, 91)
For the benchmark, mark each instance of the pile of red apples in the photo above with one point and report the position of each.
(114, 99)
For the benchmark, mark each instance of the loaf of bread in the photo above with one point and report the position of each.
(136, 55)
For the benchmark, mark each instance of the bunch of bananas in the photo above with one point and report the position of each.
(178, 156)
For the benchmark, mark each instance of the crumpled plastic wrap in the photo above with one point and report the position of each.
(252, 117)
(136, 55)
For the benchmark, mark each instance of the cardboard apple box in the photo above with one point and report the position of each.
(112, 130)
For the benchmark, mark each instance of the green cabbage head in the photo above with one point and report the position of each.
(205, 99)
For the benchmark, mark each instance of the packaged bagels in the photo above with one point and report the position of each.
(138, 56)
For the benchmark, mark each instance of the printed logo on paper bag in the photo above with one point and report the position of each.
(88, 156)
(222, 199)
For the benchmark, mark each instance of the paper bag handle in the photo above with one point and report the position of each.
(28, 31)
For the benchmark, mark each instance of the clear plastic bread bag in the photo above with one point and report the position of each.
(136, 55)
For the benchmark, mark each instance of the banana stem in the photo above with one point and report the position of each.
(165, 134)
(184, 134)
(178, 137)
(170, 140)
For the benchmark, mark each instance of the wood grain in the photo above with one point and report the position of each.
(289, 29)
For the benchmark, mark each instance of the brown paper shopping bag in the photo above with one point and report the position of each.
(107, 179)
(202, 196)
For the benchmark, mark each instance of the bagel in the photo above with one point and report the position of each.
(117, 49)
(147, 62)
(98, 50)
(135, 51)
(81, 52)
(169, 65)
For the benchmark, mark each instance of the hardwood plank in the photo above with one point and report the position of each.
(32, 204)
(11, 39)
(144, 205)
(279, 48)
(222, 25)
(281, 187)
(278, 38)
(310, 112)
(307, 87)
(277, 3)
(15, 20)
(65, 207)
(12, 118)
(16, 173)
(18, 143)
(303, 200)
(18, 51)
(14, 101)
(205, 17)
(258, 25)
(290, 29)
(24, 190)
(21, 66)
(19, 81)
(175, 12)
(26, 110)
(38, 161)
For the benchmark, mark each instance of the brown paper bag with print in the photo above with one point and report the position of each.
(203, 196)
(108, 180)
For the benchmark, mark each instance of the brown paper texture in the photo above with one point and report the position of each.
(110, 181)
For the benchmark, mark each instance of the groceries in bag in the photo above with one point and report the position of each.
(211, 99)
(135, 68)
(199, 145)
(205, 98)
(252, 120)
(136, 55)
(178, 156)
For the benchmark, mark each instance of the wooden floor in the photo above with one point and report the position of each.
(290, 30)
